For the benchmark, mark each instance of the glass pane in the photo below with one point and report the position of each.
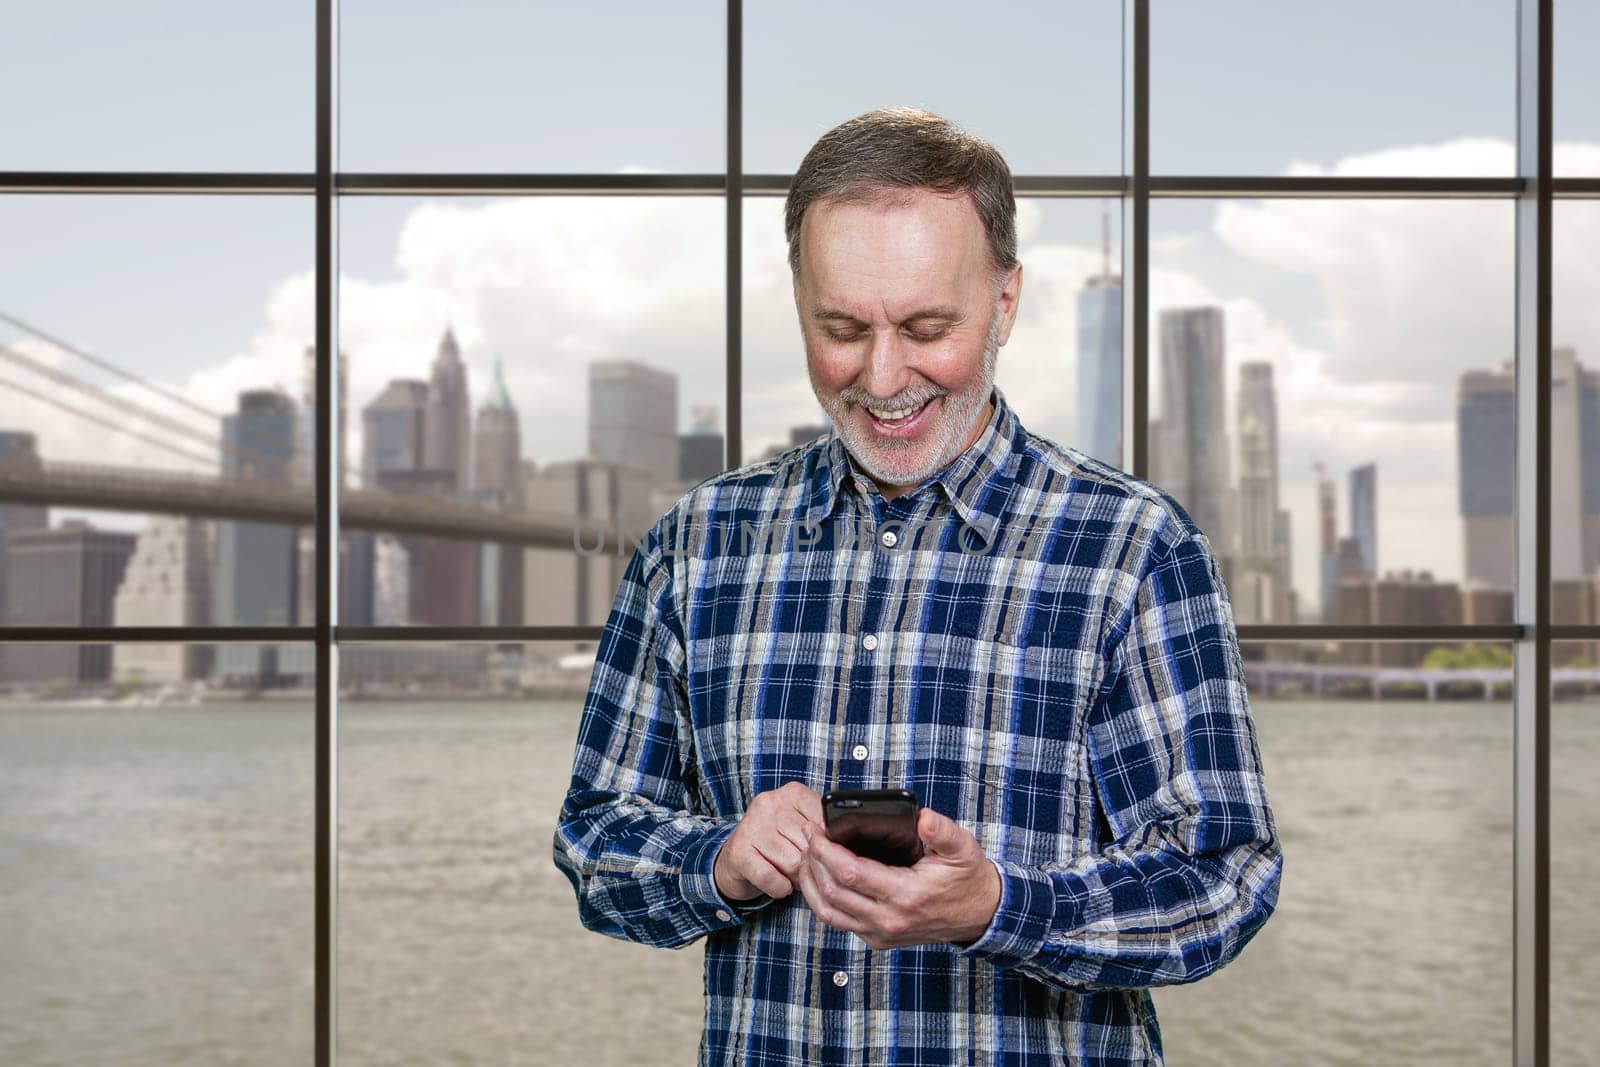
(156, 848)
(1574, 849)
(171, 85)
(459, 939)
(1330, 402)
(155, 448)
(1045, 87)
(1061, 370)
(1577, 89)
(1391, 943)
(528, 374)
(495, 86)
(1368, 88)
(1575, 417)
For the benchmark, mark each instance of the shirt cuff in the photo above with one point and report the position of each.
(699, 886)
(1026, 913)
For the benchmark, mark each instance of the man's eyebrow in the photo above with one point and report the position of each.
(939, 314)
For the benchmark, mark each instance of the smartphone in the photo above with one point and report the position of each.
(880, 824)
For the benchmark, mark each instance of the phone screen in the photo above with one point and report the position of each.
(879, 824)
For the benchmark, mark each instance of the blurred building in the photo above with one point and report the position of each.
(1194, 448)
(564, 587)
(1261, 591)
(1403, 598)
(633, 418)
(497, 483)
(167, 583)
(1100, 360)
(257, 562)
(498, 448)
(1486, 442)
(19, 449)
(447, 427)
(1364, 515)
(62, 577)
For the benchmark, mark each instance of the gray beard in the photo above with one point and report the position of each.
(960, 416)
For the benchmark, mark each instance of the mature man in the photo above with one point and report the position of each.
(931, 598)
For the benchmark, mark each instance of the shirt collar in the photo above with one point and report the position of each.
(970, 481)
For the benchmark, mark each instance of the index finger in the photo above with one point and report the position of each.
(806, 801)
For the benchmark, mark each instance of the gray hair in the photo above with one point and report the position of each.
(907, 148)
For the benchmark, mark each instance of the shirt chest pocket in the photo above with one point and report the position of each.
(1009, 709)
(1021, 696)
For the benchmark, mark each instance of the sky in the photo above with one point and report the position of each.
(1369, 311)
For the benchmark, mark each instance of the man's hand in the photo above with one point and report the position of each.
(950, 894)
(764, 850)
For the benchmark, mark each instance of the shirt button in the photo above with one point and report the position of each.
(840, 978)
(723, 916)
(859, 752)
(869, 642)
(890, 539)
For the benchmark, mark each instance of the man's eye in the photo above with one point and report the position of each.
(845, 335)
(935, 334)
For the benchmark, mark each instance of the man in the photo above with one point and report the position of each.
(931, 598)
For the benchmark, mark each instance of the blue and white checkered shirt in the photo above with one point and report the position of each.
(1039, 645)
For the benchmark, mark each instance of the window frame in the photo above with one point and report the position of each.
(1531, 191)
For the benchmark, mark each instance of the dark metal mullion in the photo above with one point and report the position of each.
(327, 578)
(218, 635)
(733, 227)
(1136, 242)
(1531, 687)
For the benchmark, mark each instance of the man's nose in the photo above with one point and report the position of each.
(887, 371)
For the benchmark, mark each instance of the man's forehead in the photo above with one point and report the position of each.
(901, 253)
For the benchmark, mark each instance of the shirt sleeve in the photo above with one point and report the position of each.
(1192, 867)
(628, 838)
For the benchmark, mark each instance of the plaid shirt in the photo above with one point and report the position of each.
(1038, 644)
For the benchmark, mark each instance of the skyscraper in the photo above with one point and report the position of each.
(497, 482)
(497, 474)
(1364, 515)
(1194, 450)
(1327, 545)
(633, 418)
(167, 583)
(1575, 468)
(256, 566)
(62, 577)
(1100, 360)
(447, 429)
(1264, 572)
(1486, 451)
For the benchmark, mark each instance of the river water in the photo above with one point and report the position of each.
(156, 894)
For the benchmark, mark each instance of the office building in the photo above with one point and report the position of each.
(1261, 592)
(1100, 360)
(62, 577)
(633, 418)
(447, 427)
(1194, 448)
(497, 448)
(167, 583)
(256, 563)
(1364, 514)
(576, 586)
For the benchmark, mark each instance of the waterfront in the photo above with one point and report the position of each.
(156, 893)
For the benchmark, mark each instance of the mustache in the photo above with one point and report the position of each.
(910, 398)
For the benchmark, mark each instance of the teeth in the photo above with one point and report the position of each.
(892, 415)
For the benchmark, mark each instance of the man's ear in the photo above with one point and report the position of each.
(1010, 297)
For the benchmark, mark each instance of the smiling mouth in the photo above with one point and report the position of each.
(892, 419)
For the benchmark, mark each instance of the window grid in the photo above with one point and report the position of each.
(1532, 191)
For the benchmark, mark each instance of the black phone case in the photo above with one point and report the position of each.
(878, 824)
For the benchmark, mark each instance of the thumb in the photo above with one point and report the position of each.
(939, 833)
